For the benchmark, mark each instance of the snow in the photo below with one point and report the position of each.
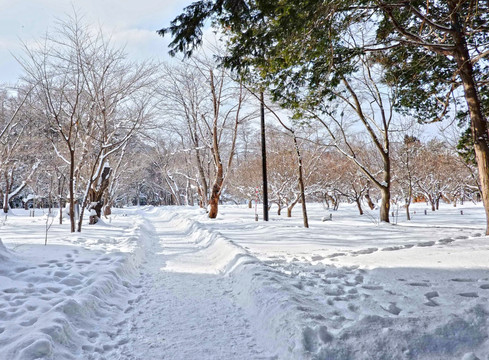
(169, 283)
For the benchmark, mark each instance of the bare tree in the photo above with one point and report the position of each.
(206, 106)
(94, 101)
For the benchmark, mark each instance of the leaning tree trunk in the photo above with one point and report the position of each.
(477, 120)
(97, 193)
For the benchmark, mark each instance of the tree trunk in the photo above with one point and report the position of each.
(216, 193)
(432, 202)
(214, 200)
(61, 185)
(370, 203)
(385, 203)
(301, 183)
(385, 188)
(478, 122)
(291, 206)
(72, 191)
(5, 196)
(359, 205)
(408, 200)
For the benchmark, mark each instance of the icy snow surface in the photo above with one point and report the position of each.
(169, 283)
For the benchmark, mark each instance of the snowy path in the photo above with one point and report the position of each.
(184, 315)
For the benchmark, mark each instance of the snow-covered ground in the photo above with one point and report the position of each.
(169, 283)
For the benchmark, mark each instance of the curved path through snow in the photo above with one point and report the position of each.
(180, 314)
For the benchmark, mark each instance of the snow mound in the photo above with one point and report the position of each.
(308, 310)
(65, 301)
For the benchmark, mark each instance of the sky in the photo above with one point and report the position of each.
(130, 23)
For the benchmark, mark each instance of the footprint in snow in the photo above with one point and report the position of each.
(392, 308)
(431, 303)
(29, 322)
(372, 287)
(336, 255)
(484, 286)
(429, 296)
(425, 243)
(420, 284)
(446, 241)
(365, 251)
(463, 280)
(11, 290)
(61, 274)
(469, 294)
(392, 248)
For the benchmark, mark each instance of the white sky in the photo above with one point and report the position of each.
(131, 23)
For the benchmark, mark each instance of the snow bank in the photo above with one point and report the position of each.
(68, 302)
(311, 309)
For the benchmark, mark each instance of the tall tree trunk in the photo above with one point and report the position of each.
(301, 182)
(408, 201)
(7, 191)
(385, 188)
(61, 185)
(478, 122)
(72, 191)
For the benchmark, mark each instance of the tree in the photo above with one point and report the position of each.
(206, 107)
(407, 169)
(447, 41)
(93, 100)
(19, 161)
(305, 76)
(298, 47)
